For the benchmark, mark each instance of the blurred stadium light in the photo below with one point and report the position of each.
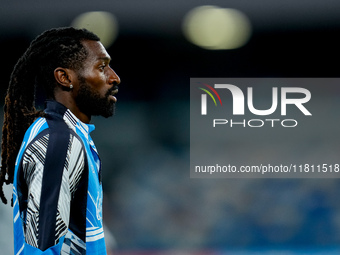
(103, 24)
(217, 28)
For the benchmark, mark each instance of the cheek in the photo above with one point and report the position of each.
(97, 81)
(102, 89)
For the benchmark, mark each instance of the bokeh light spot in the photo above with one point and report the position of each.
(103, 24)
(215, 28)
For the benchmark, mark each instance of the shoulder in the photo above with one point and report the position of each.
(54, 144)
(36, 128)
(51, 132)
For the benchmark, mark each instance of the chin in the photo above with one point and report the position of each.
(108, 112)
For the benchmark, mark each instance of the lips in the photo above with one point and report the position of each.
(112, 94)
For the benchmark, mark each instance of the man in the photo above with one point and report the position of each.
(54, 165)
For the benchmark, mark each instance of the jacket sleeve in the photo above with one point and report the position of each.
(52, 168)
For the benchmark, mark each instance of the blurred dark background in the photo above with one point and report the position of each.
(151, 204)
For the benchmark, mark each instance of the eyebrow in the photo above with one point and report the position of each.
(108, 59)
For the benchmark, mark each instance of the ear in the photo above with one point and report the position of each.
(64, 77)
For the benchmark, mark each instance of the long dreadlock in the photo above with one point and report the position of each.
(61, 47)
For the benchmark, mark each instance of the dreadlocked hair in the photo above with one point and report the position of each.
(61, 47)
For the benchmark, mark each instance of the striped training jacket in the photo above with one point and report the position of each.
(57, 190)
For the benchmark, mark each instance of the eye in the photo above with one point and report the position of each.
(102, 67)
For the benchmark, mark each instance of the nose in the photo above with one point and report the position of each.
(113, 78)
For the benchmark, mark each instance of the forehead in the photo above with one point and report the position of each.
(95, 50)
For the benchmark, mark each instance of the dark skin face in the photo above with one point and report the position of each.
(94, 86)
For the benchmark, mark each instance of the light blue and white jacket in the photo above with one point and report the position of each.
(57, 190)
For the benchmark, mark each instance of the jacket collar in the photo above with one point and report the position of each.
(59, 110)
